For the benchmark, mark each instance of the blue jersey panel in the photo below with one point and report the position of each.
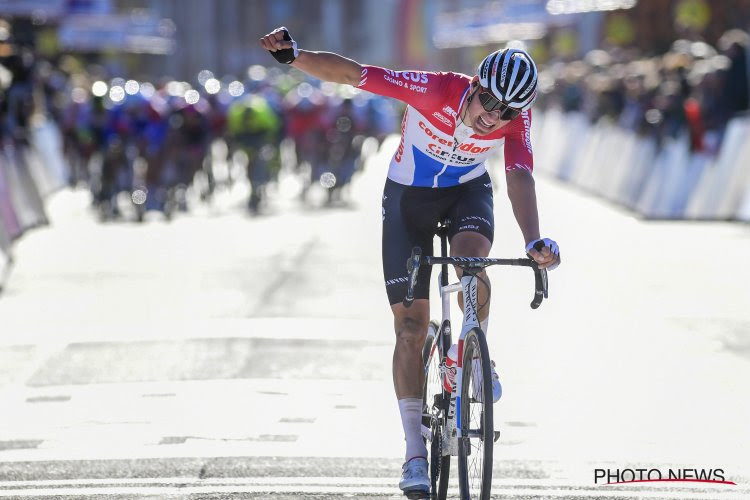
(451, 175)
(425, 168)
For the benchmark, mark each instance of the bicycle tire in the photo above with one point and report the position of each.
(476, 421)
(433, 383)
(432, 331)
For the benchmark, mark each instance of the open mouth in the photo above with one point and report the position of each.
(483, 123)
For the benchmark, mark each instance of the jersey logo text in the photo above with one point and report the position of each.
(439, 116)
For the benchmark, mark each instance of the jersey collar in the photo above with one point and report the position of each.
(460, 106)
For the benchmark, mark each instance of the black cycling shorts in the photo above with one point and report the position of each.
(410, 218)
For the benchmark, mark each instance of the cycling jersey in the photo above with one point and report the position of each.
(433, 152)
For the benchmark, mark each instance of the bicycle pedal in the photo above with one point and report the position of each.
(497, 436)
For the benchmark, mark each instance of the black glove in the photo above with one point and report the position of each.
(286, 56)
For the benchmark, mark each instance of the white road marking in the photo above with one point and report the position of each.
(351, 490)
(543, 488)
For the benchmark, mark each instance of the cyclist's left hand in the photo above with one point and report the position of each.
(545, 252)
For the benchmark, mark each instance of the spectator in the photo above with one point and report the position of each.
(734, 45)
(691, 89)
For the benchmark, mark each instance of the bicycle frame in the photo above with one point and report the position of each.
(471, 321)
(443, 411)
(468, 285)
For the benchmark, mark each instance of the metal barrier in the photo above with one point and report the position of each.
(28, 173)
(665, 181)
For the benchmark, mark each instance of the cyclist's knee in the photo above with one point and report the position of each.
(411, 325)
(470, 244)
(411, 331)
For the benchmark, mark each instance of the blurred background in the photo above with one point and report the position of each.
(148, 99)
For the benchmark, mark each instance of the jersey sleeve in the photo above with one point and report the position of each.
(518, 153)
(420, 89)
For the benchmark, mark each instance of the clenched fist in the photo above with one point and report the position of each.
(281, 45)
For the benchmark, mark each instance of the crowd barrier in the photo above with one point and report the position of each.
(28, 173)
(658, 181)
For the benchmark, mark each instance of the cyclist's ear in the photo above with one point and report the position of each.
(474, 85)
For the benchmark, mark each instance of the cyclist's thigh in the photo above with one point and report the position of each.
(408, 221)
(473, 209)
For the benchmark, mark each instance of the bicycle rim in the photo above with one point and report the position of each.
(477, 426)
(432, 417)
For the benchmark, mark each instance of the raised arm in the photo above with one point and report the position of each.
(325, 66)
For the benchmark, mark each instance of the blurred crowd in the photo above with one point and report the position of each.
(144, 146)
(693, 89)
(158, 140)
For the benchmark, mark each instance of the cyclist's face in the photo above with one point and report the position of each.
(482, 121)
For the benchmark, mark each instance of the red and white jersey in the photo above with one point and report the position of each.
(431, 152)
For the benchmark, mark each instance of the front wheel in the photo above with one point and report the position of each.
(475, 419)
(433, 413)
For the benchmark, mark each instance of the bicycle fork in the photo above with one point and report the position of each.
(469, 287)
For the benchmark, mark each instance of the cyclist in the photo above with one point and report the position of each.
(305, 112)
(343, 143)
(450, 127)
(254, 127)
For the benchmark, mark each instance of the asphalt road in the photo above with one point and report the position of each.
(228, 356)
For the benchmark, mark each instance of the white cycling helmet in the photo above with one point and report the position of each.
(510, 74)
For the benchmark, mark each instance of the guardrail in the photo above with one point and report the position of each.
(28, 173)
(665, 181)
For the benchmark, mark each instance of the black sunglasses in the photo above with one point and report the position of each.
(491, 103)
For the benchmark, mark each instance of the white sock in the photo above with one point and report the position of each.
(483, 324)
(411, 420)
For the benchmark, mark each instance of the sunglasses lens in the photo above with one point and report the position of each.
(491, 103)
(488, 101)
(509, 114)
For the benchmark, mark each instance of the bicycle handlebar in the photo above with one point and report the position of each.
(473, 265)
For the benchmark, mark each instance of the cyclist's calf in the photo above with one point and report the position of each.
(411, 329)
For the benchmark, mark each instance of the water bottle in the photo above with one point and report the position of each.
(449, 376)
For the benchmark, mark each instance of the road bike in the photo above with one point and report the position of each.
(458, 421)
